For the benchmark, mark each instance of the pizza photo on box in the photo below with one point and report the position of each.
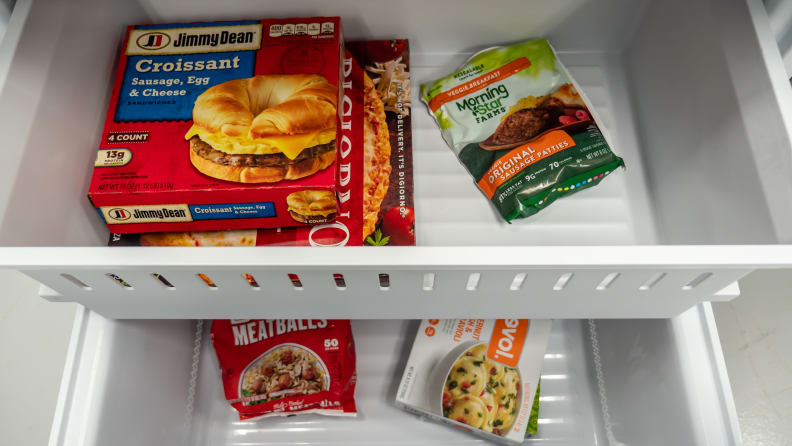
(389, 210)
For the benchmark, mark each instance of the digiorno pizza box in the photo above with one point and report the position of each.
(222, 125)
(374, 181)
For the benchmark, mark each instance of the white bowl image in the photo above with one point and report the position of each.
(489, 408)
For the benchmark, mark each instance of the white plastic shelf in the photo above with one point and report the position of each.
(701, 117)
(603, 382)
(604, 224)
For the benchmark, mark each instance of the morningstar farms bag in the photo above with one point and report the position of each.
(519, 123)
(273, 367)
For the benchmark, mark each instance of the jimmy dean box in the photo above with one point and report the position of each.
(377, 126)
(480, 375)
(222, 125)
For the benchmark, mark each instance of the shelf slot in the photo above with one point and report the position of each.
(384, 281)
(296, 282)
(696, 281)
(209, 282)
(517, 282)
(428, 281)
(473, 281)
(652, 281)
(76, 281)
(607, 281)
(562, 281)
(165, 282)
(251, 281)
(121, 282)
(340, 282)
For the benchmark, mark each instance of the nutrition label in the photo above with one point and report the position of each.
(301, 29)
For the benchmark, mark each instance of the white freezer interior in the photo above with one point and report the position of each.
(605, 382)
(683, 88)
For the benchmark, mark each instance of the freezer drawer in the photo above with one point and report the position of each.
(616, 382)
(701, 116)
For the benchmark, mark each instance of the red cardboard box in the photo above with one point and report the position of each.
(375, 181)
(222, 125)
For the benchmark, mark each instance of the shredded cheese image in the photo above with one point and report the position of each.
(393, 85)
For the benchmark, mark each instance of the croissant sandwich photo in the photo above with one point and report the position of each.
(265, 128)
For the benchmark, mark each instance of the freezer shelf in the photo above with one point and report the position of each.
(700, 115)
(640, 382)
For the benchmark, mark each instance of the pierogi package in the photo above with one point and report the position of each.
(481, 375)
(272, 367)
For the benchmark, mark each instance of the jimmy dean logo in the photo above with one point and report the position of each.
(153, 41)
(214, 39)
(146, 214)
(160, 214)
(207, 39)
(485, 105)
(249, 332)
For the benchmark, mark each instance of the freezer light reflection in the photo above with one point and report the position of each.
(550, 420)
(553, 356)
(259, 444)
(241, 432)
(253, 423)
(561, 376)
(547, 398)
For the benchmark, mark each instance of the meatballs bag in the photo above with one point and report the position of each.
(521, 126)
(275, 367)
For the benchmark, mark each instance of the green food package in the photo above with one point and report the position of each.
(533, 421)
(518, 122)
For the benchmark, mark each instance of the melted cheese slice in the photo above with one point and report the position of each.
(290, 145)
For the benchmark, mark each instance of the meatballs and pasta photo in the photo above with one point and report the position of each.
(276, 367)
(286, 370)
